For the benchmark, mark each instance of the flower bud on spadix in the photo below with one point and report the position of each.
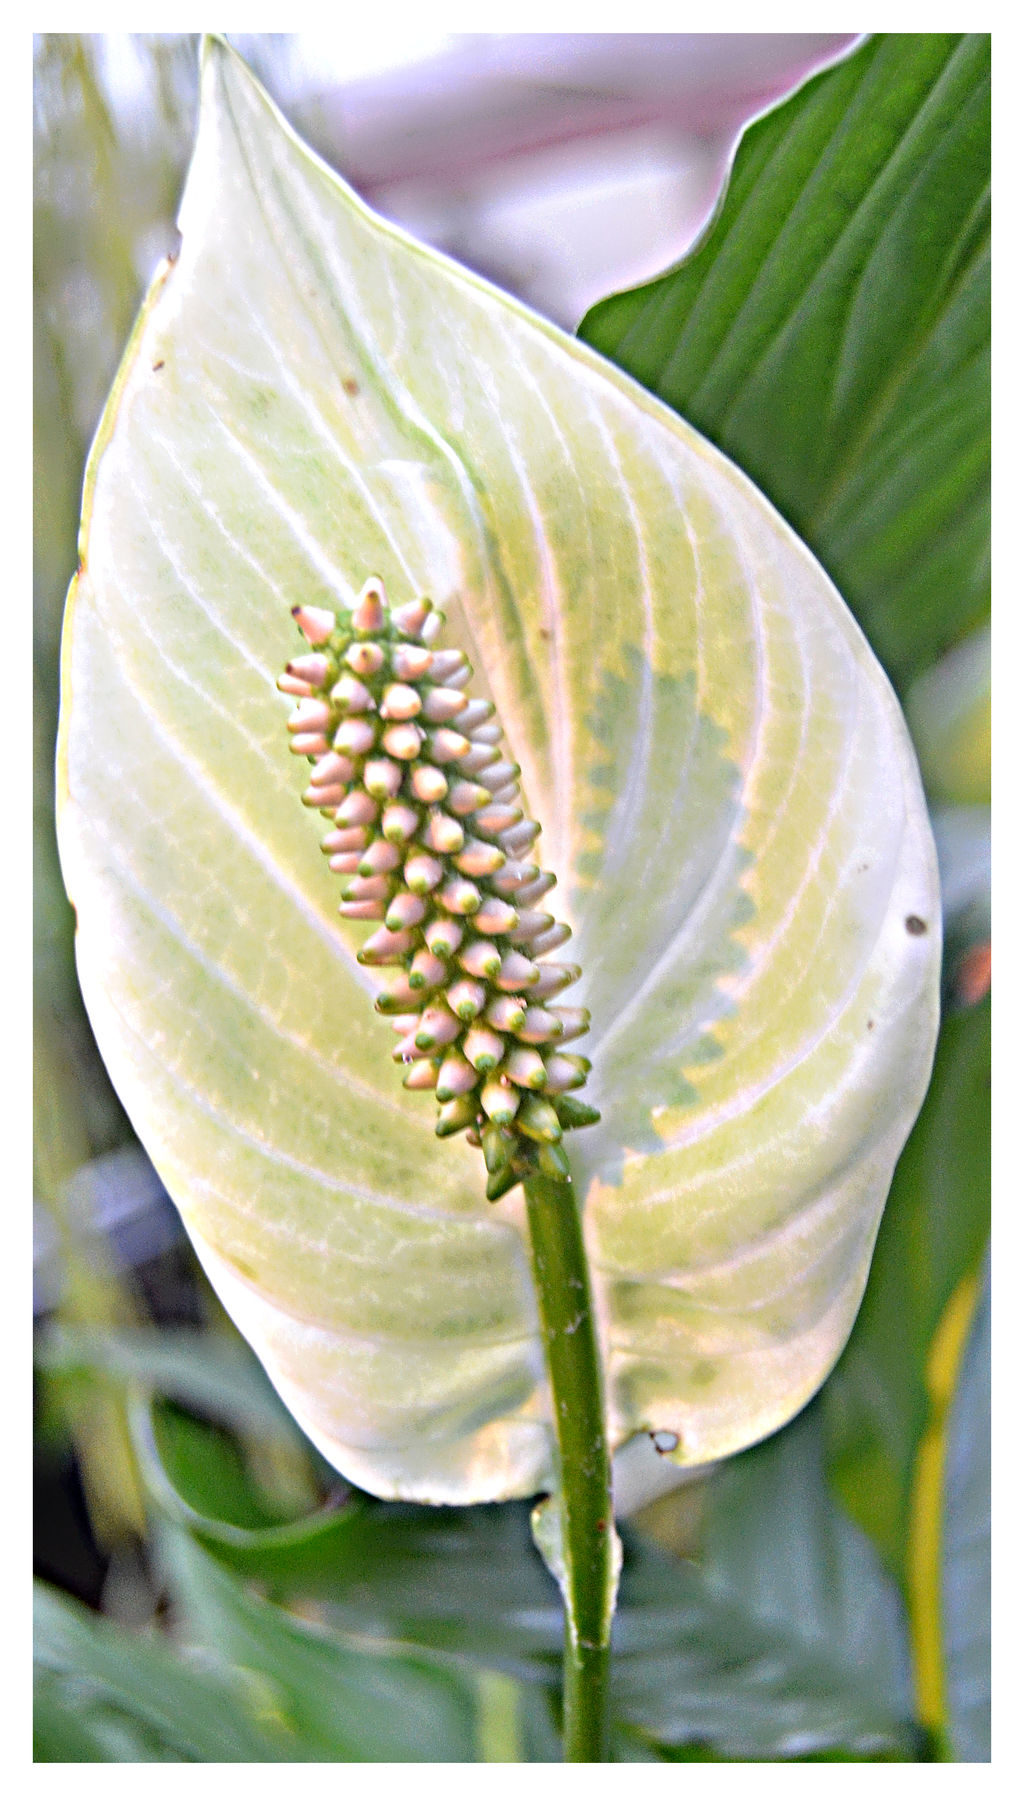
(429, 836)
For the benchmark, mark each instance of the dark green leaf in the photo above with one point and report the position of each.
(831, 331)
(814, 1618)
(346, 1700)
(699, 1660)
(693, 1667)
(933, 1233)
(105, 1694)
(465, 1581)
(220, 1479)
(776, 1540)
(966, 1572)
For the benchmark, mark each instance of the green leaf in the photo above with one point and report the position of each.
(726, 789)
(695, 1667)
(105, 1694)
(750, 1667)
(775, 1540)
(933, 1233)
(831, 331)
(967, 1546)
(351, 1700)
(776, 1549)
(465, 1581)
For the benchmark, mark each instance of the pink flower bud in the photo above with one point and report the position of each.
(440, 704)
(332, 770)
(411, 618)
(444, 835)
(403, 741)
(480, 959)
(316, 625)
(429, 784)
(382, 779)
(351, 695)
(369, 614)
(465, 797)
(483, 1048)
(399, 822)
(524, 1066)
(423, 872)
(410, 661)
(400, 702)
(495, 917)
(444, 746)
(364, 658)
(466, 998)
(405, 911)
(357, 808)
(460, 897)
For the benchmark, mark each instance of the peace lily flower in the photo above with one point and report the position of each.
(430, 840)
(726, 795)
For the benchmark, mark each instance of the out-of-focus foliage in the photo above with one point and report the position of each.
(112, 125)
(949, 709)
(966, 1586)
(778, 1632)
(807, 1657)
(105, 188)
(933, 1234)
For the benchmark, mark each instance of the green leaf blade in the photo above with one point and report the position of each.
(104, 1695)
(831, 331)
(806, 1655)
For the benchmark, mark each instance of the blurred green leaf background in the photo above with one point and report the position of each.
(210, 1590)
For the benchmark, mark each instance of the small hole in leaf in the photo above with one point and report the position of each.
(664, 1440)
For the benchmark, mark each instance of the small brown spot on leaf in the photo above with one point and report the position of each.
(871, 1022)
(916, 926)
(158, 365)
(351, 386)
(602, 1527)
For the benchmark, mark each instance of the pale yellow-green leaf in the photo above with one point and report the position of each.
(726, 789)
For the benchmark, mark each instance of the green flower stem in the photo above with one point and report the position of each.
(588, 1527)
